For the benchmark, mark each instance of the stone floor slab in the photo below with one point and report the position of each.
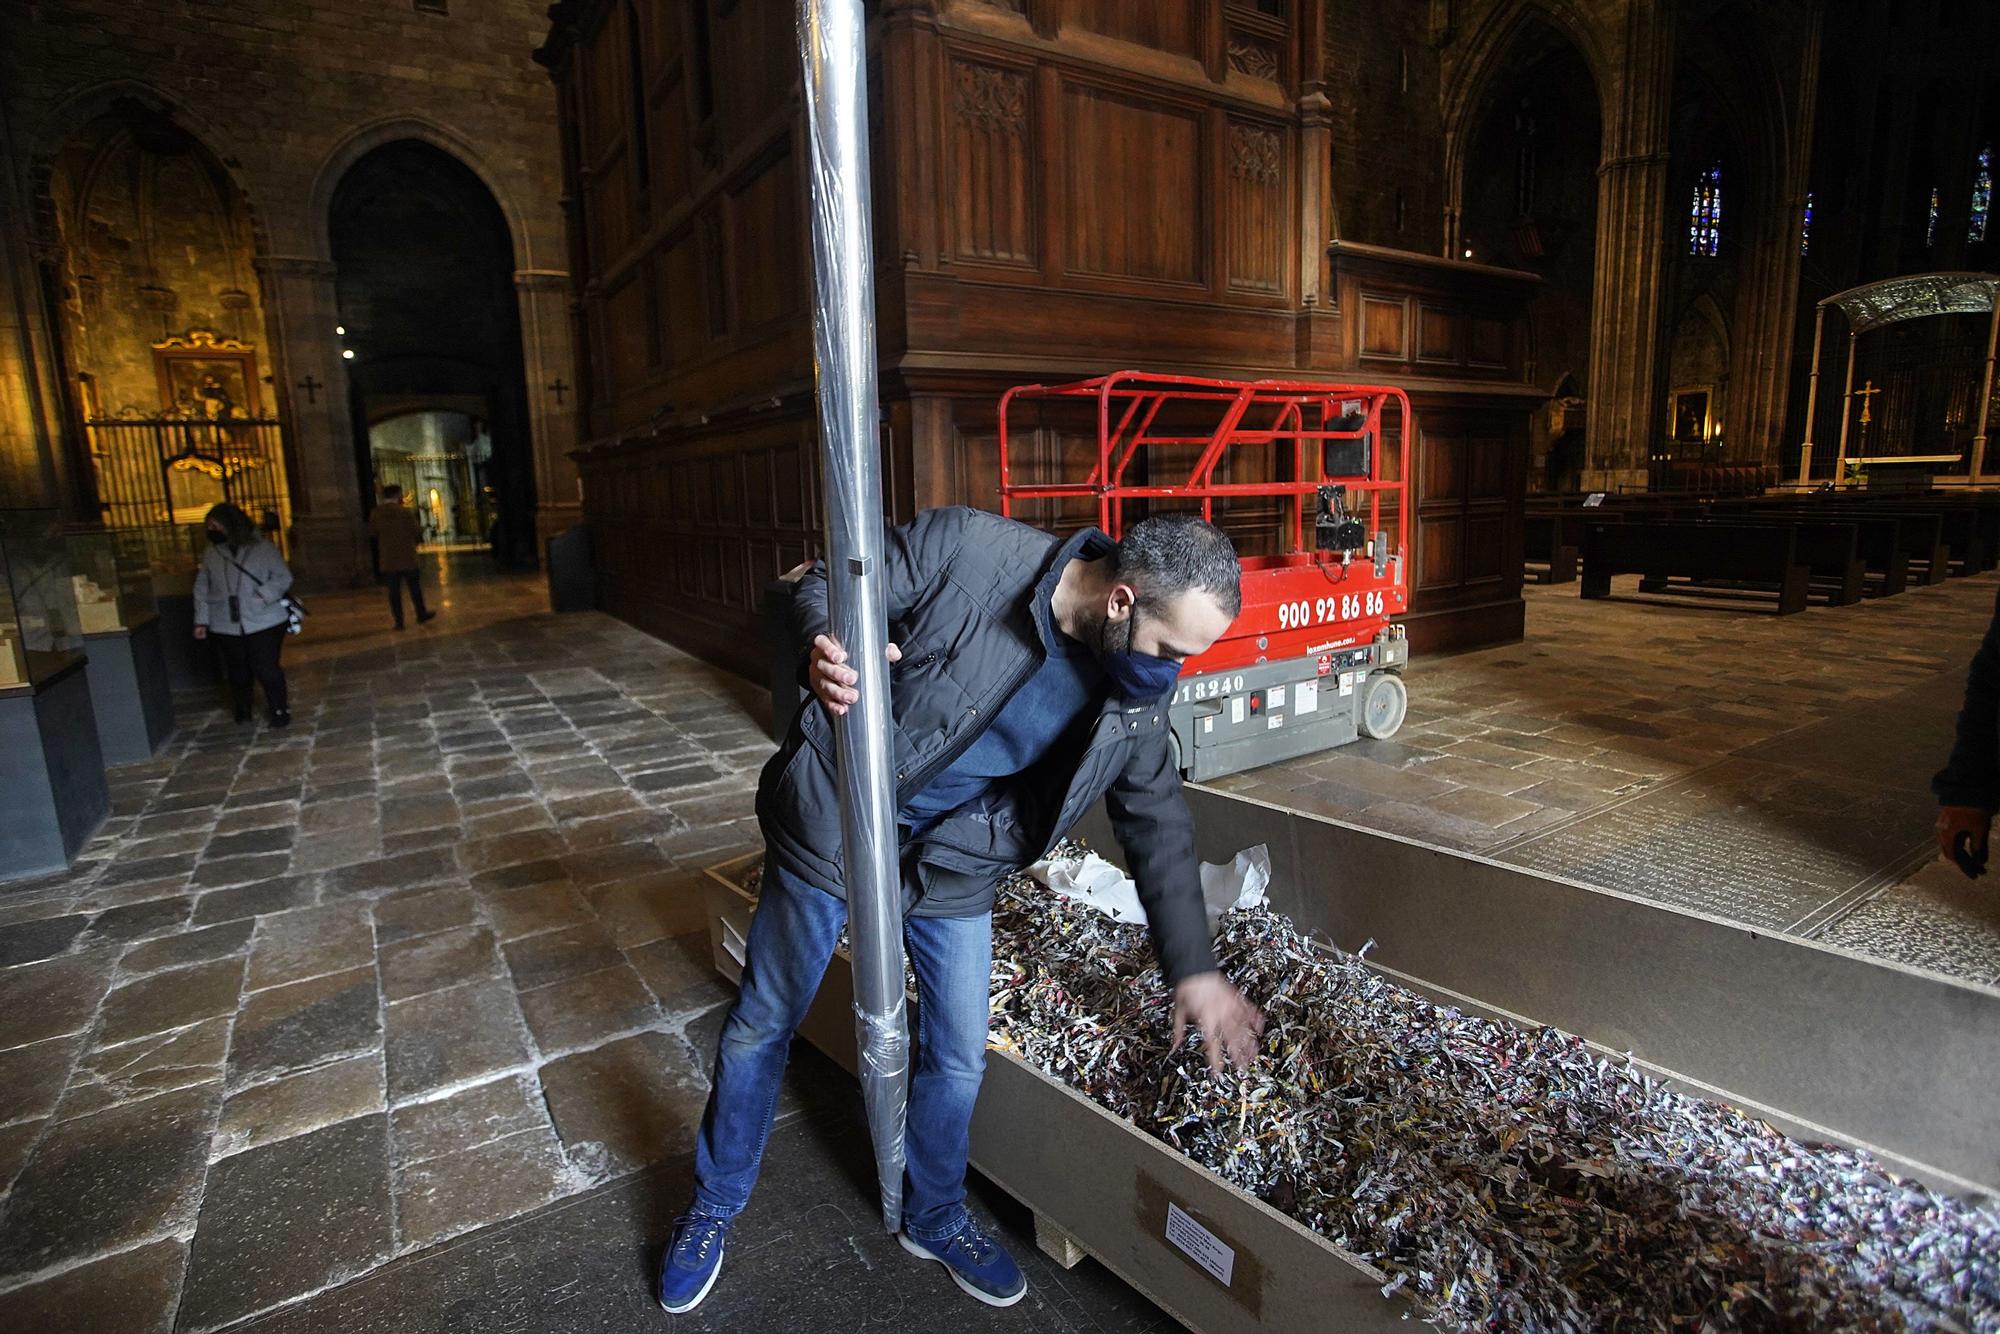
(466, 1119)
(51, 998)
(170, 1000)
(179, 951)
(107, 1076)
(435, 962)
(300, 1103)
(680, 970)
(422, 913)
(32, 1077)
(288, 1219)
(555, 956)
(453, 1037)
(133, 1292)
(305, 1024)
(104, 1182)
(443, 1197)
(628, 1103)
(27, 942)
(584, 1011)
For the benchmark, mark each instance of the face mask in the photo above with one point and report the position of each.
(1137, 675)
(217, 538)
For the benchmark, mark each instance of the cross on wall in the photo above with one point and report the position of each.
(558, 389)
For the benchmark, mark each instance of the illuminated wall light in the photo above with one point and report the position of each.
(1468, 252)
(340, 329)
(347, 353)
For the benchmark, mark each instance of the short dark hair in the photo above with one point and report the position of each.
(1169, 554)
(235, 524)
(392, 492)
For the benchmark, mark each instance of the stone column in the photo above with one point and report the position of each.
(301, 313)
(1625, 321)
(547, 362)
(1632, 237)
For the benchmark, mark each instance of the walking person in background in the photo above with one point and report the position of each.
(394, 528)
(239, 600)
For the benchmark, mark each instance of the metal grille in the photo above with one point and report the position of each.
(161, 474)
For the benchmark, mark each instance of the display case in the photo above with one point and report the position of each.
(40, 635)
(111, 578)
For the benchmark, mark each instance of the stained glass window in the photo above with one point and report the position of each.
(1705, 214)
(1805, 227)
(1982, 194)
(1930, 228)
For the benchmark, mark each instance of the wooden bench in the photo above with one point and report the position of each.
(1550, 539)
(1879, 542)
(1660, 549)
(1934, 541)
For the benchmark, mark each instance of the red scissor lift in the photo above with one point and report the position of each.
(1316, 656)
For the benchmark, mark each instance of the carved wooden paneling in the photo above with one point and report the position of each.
(1258, 226)
(1256, 55)
(1164, 26)
(1488, 471)
(672, 174)
(755, 59)
(1486, 548)
(630, 333)
(1134, 186)
(716, 272)
(765, 259)
(681, 294)
(1440, 553)
(1385, 327)
(1489, 342)
(1437, 334)
(611, 209)
(992, 133)
(1442, 476)
(602, 80)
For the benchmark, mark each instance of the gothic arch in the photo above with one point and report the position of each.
(1491, 50)
(74, 110)
(364, 140)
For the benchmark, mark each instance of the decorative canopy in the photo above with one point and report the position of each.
(1913, 296)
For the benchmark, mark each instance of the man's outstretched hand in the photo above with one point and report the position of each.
(832, 679)
(1229, 1024)
(1970, 824)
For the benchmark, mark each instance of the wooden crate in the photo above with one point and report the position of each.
(1100, 1187)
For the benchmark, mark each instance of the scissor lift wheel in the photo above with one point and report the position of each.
(1384, 703)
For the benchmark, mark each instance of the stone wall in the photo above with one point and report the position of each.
(287, 94)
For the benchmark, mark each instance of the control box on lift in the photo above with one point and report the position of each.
(1315, 658)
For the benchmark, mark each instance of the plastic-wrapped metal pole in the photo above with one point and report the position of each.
(832, 42)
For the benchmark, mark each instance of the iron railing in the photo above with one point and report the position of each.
(160, 475)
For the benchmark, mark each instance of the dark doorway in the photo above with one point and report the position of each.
(428, 312)
(1531, 203)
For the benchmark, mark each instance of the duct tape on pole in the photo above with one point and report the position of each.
(832, 43)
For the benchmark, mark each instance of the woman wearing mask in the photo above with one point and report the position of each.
(239, 598)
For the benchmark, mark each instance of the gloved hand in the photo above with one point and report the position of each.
(1962, 833)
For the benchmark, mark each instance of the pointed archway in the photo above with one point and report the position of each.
(424, 263)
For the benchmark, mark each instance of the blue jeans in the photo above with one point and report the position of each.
(792, 938)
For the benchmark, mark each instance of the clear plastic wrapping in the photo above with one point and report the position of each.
(832, 44)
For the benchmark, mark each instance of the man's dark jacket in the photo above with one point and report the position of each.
(1972, 776)
(962, 591)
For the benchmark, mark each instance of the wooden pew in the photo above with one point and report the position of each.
(1660, 549)
(1879, 540)
(1551, 537)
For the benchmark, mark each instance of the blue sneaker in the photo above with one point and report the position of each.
(975, 1261)
(693, 1259)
